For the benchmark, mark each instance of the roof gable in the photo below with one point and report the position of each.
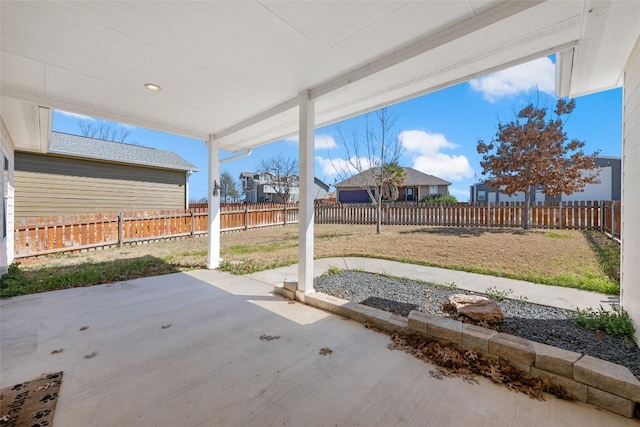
(412, 178)
(89, 148)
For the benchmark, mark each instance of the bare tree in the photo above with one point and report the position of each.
(373, 156)
(530, 151)
(284, 171)
(228, 187)
(100, 129)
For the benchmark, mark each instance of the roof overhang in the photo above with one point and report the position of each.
(608, 32)
(235, 70)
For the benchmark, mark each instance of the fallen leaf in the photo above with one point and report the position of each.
(91, 355)
(60, 350)
(325, 351)
(264, 337)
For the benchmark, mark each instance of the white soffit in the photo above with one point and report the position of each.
(609, 31)
(234, 69)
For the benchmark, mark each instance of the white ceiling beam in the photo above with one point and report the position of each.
(465, 78)
(274, 111)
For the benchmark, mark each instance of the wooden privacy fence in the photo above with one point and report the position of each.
(46, 235)
(603, 216)
(41, 236)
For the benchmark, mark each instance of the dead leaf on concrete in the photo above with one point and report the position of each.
(168, 325)
(264, 337)
(84, 328)
(91, 355)
(59, 350)
(467, 364)
(324, 351)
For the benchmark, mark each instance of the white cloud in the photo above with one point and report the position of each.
(539, 74)
(341, 168)
(75, 115)
(321, 142)
(424, 149)
(422, 142)
(324, 142)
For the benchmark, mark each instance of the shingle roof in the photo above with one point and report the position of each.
(412, 177)
(89, 148)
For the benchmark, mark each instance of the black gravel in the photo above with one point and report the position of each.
(548, 325)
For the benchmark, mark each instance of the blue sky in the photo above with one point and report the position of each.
(439, 131)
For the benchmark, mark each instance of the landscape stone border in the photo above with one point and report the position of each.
(587, 379)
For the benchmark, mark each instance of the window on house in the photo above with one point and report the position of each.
(409, 194)
(433, 190)
(482, 196)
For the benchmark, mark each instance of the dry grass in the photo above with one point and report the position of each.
(562, 257)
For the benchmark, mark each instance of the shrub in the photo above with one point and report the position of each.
(439, 199)
(13, 281)
(615, 322)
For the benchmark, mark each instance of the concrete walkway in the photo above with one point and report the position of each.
(540, 294)
(209, 366)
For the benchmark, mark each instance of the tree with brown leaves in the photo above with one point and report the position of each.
(532, 150)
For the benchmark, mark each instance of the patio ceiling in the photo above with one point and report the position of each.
(235, 69)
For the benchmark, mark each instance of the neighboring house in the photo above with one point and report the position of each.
(81, 175)
(267, 187)
(415, 187)
(609, 188)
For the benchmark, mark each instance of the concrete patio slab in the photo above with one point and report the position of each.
(208, 366)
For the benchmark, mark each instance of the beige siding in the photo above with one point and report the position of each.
(50, 186)
(630, 295)
(443, 190)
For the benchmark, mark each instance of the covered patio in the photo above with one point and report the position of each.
(238, 75)
(231, 353)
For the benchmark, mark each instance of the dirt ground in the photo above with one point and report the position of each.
(546, 253)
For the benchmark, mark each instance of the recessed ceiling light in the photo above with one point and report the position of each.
(152, 87)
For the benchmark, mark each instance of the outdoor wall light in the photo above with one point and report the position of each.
(216, 188)
(152, 87)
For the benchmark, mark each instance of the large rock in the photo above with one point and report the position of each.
(461, 300)
(480, 309)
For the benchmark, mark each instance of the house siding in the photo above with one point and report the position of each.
(50, 185)
(6, 214)
(630, 271)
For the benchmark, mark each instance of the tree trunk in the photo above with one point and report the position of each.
(527, 207)
(378, 210)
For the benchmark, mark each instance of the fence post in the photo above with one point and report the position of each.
(488, 214)
(193, 222)
(246, 216)
(601, 215)
(120, 228)
(613, 219)
(285, 214)
(560, 214)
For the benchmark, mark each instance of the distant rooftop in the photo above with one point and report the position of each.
(412, 177)
(119, 152)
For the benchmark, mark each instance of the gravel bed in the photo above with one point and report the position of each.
(548, 325)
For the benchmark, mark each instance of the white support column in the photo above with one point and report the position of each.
(305, 232)
(213, 257)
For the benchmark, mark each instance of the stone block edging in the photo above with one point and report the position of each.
(587, 379)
